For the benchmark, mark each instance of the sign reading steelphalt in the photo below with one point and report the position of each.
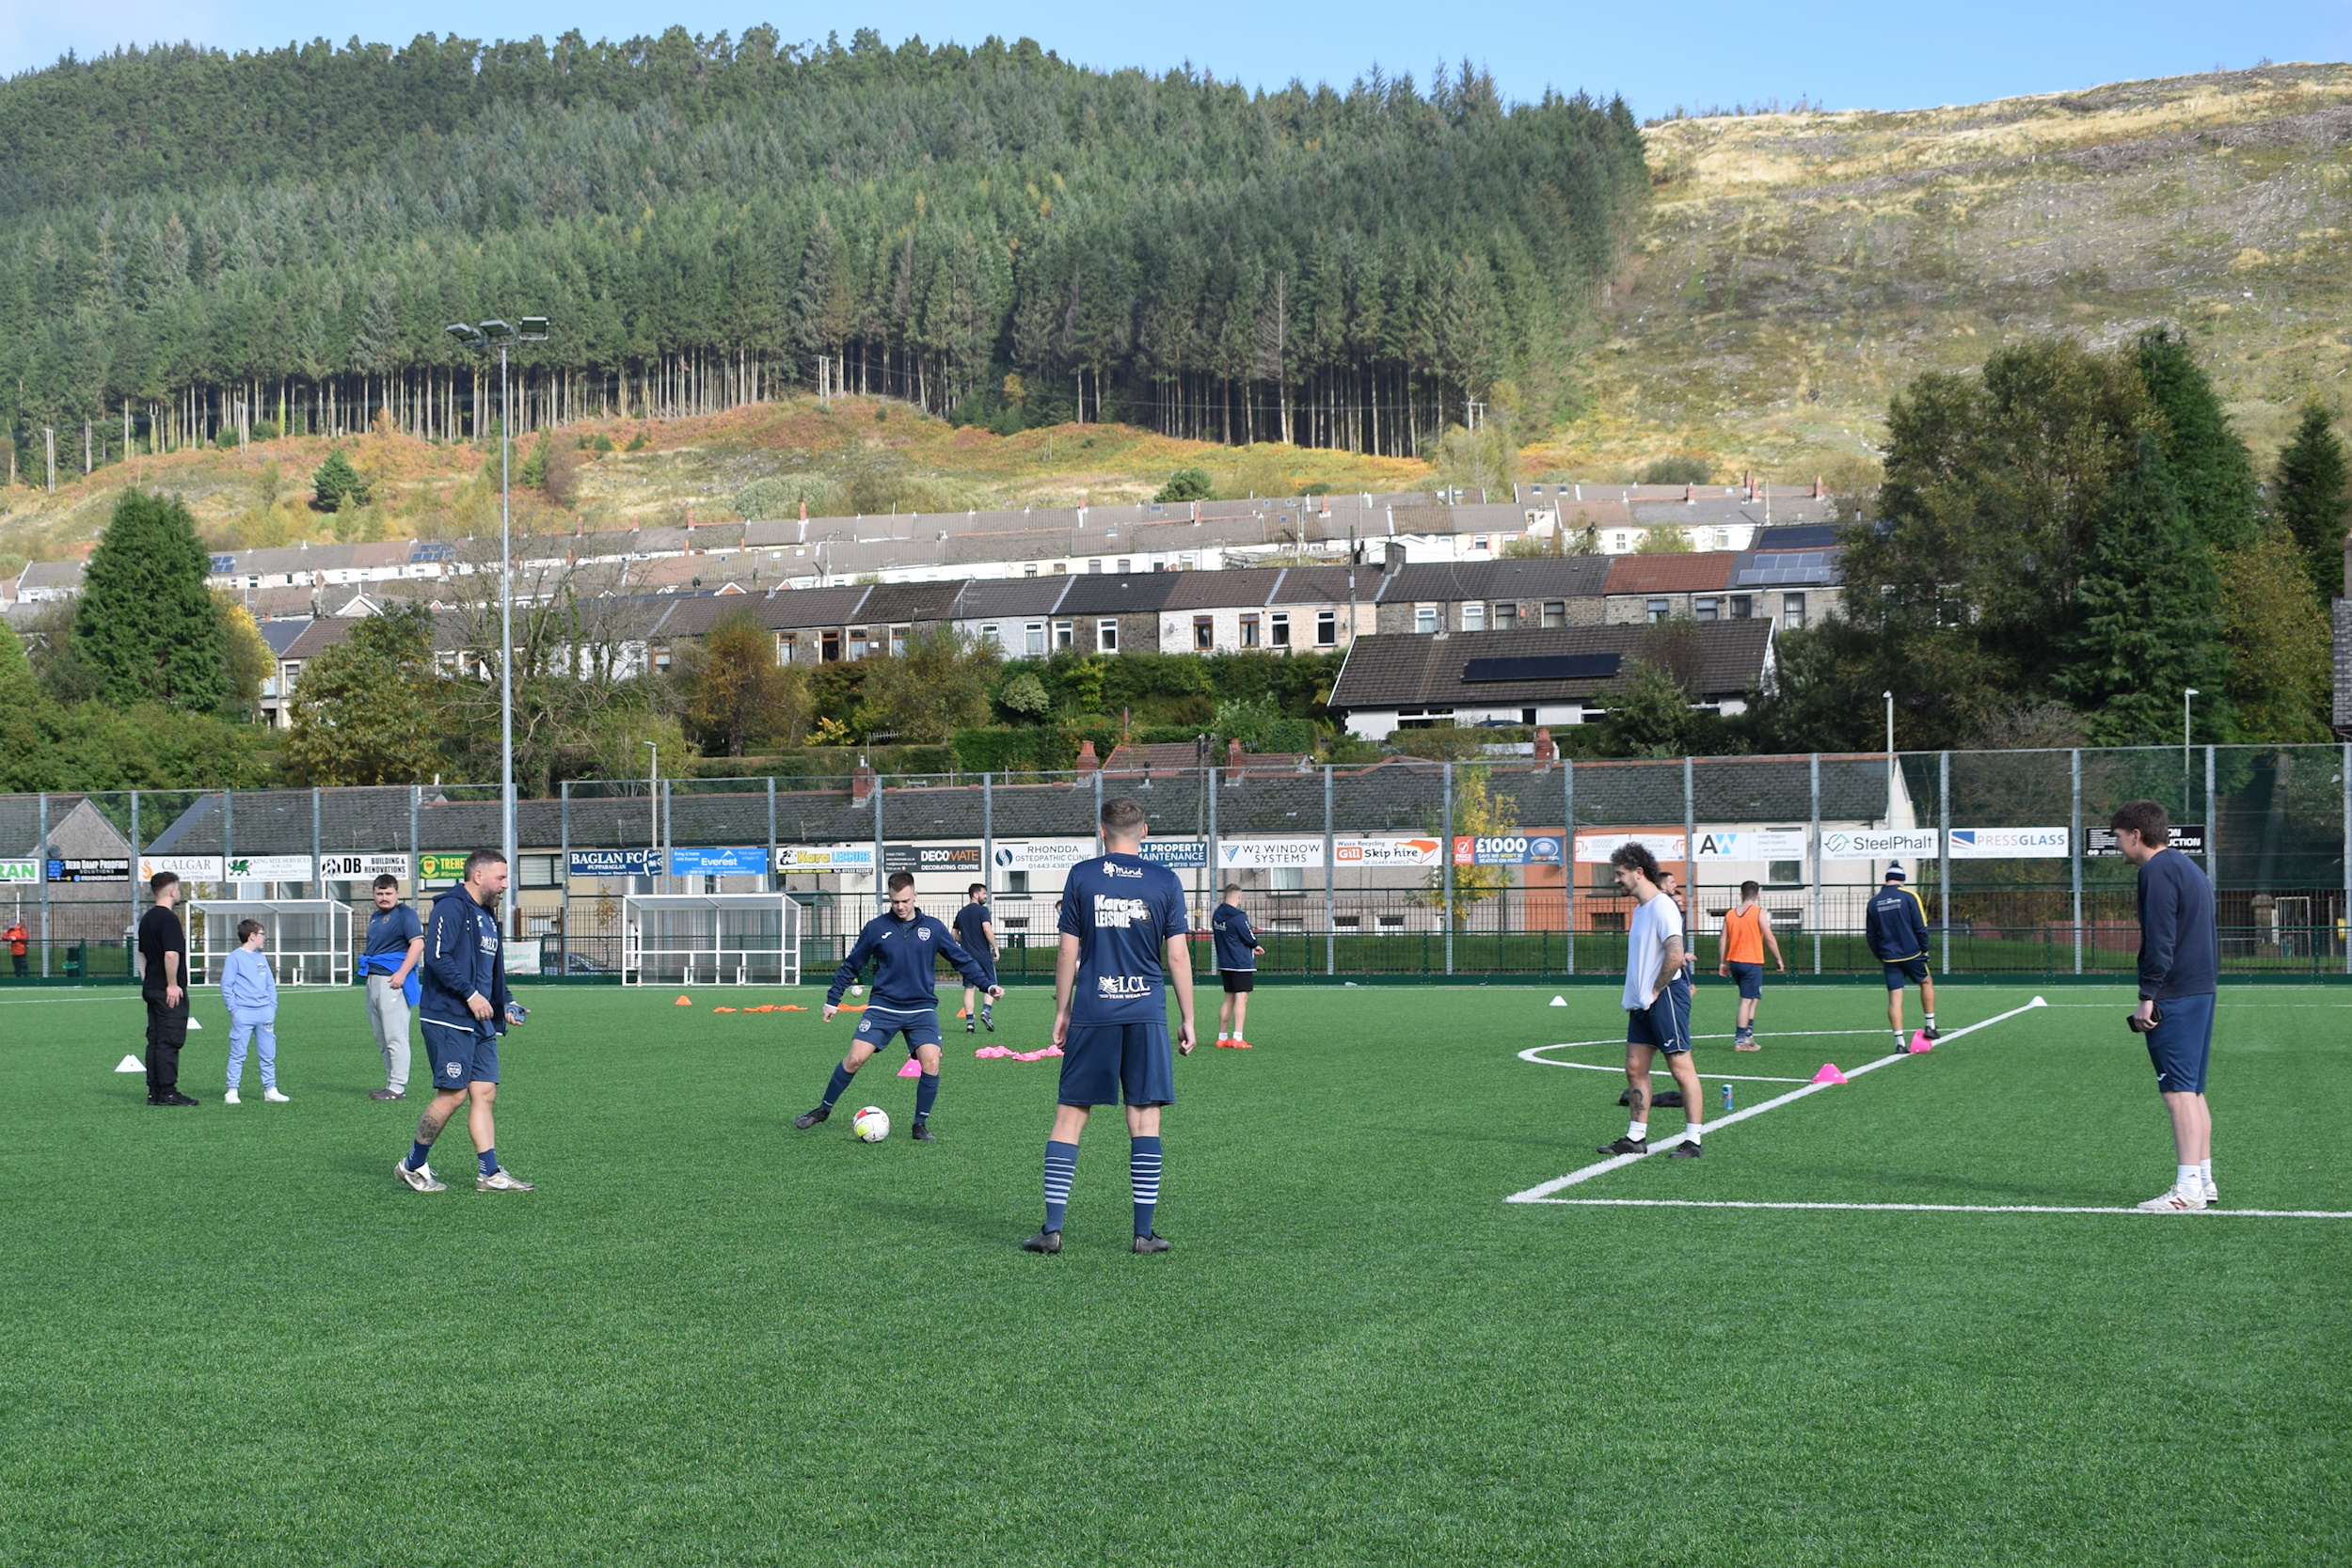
(1879, 844)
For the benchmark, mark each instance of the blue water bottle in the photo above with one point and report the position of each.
(1726, 1097)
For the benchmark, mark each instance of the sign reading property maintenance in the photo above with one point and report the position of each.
(616, 862)
(1180, 854)
(363, 867)
(2187, 837)
(2009, 844)
(1879, 844)
(719, 863)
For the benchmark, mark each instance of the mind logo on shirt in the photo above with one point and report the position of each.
(1119, 914)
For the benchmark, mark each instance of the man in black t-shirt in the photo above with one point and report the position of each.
(163, 982)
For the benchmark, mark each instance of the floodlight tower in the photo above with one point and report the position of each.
(504, 335)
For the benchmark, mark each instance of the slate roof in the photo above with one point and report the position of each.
(1415, 670)
(1670, 573)
(1010, 597)
(1118, 594)
(1554, 578)
(280, 635)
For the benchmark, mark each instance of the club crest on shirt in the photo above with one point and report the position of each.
(924, 932)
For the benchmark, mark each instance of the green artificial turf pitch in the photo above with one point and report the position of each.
(230, 1336)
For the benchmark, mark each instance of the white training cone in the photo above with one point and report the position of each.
(1559, 1001)
(193, 1025)
(130, 1064)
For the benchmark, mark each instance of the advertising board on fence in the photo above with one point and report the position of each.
(932, 857)
(363, 868)
(1752, 843)
(615, 862)
(1264, 854)
(1879, 844)
(1385, 852)
(20, 871)
(189, 868)
(2187, 837)
(441, 869)
(1506, 849)
(1044, 854)
(89, 869)
(266, 868)
(1177, 854)
(1596, 848)
(2008, 844)
(823, 858)
(719, 863)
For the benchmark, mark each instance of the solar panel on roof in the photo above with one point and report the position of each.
(1542, 667)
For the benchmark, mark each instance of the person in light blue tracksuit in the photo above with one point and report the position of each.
(250, 991)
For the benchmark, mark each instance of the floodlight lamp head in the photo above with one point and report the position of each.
(2190, 691)
(534, 330)
(497, 331)
(464, 333)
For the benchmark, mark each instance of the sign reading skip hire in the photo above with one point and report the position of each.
(2008, 844)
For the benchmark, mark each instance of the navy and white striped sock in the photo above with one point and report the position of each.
(1143, 1174)
(926, 1092)
(839, 1081)
(1061, 1168)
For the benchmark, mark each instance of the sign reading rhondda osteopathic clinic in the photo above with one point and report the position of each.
(1044, 854)
(1264, 854)
(363, 867)
(618, 863)
(1879, 844)
(269, 868)
(2008, 844)
(1752, 843)
(189, 868)
(821, 858)
(1596, 848)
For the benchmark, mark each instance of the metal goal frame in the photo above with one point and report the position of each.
(309, 940)
(711, 939)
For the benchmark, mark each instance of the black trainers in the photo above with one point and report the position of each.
(969, 1027)
(807, 1119)
(1932, 1032)
(1626, 1146)
(174, 1098)
(990, 1020)
(1044, 1240)
(921, 1134)
(1154, 1243)
(1686, 1149)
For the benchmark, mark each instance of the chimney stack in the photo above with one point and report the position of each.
(1234, 765)
(1088, 761)
(1546, 752)
(862, 786)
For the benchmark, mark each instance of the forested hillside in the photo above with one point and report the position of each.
(193, 243)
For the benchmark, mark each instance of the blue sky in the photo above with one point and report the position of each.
(1844, 54)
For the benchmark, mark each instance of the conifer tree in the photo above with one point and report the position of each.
(2208, 465)
(145, 623)
(2310, 498)
(336, 480)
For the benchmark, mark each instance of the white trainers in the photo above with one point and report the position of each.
(420, 1178)
(2213, 1196)
(500, 1180)
(275, 1097)
(2180, 1200)
(231, 1099)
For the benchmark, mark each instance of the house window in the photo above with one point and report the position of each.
(1784, 873)
(898, 641)
(661, 660)
(1094, 565)
(1029, 570)
(1703, 609)
(1555, 612)
(1250, 632)
(787, 641)
(1527, 716)
(1203, 632)
(1033, 639)
(1507, 617)
(1423, 718)
(1326, 628)
(1016, 881)
(1061, 568)
(1660, 609)
(539, 870)
(1620, 541)
(1479, 542)
(1425, 617)
(1473, 617)
(1126, 565)
(1106, 634)
(1793, 611)
(1065, 635)
(1743, 607)
(1280, 632)
(988, 634)
(857, 643)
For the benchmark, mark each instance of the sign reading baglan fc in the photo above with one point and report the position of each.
(2009, 844)
(1879, 844)
(363, 867)
(89, 869)
(931, 857)
(2187, 837)
(616, 862)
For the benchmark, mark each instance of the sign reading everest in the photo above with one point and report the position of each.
(1879, 844)
(719, 863)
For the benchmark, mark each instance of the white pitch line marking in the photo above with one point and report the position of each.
(1543, 1189)
(1933, 1208)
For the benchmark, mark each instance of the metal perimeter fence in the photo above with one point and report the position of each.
(1401, 868)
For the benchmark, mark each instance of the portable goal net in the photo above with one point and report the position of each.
(711, 939)
(307, 941)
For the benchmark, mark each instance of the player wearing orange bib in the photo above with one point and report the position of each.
(1747, 936)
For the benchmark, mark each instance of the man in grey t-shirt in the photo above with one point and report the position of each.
(394, 948)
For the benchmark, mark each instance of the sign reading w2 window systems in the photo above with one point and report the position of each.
(2009, 844)
(1879, 844)
(1262, 854)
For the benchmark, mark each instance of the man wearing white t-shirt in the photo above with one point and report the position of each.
(1657, 1005)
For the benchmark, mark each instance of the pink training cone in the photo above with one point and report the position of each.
(912, 1069)
(1920, 1044)
(1829, 1074)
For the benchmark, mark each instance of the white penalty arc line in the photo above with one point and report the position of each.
(1936, 1208)
(1544, 1190)
(1535, 1053)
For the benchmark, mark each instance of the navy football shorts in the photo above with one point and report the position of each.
(1749, 978)
(1904, 971)
(881, 1025)
(1103, 1063)
(460, 1056)
(1239, 982)
(2180, 1042)
(1666, 1022)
